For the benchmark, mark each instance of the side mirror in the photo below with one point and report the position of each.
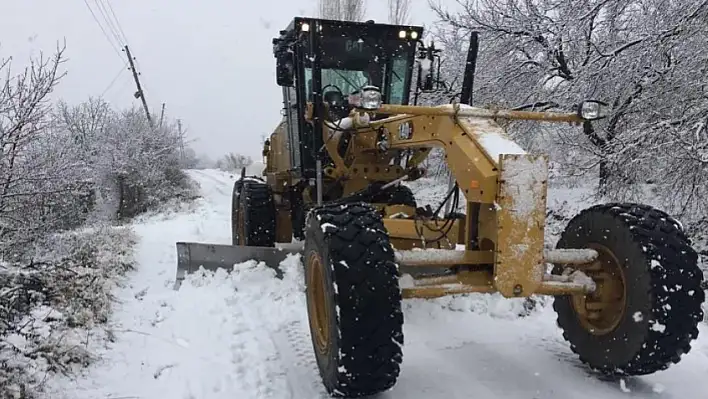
(426, 82)
(284, 70)
(266, 148)
(428, 77)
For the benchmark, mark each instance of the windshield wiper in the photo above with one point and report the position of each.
(349, 82)
(396, 75)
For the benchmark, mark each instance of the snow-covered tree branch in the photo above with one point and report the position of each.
(64, 168)
(233, 162)
(643, 57)
(399, 12)
(347, 10)
(24, 111)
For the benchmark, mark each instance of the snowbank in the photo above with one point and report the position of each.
(50, 306)
(242, 333)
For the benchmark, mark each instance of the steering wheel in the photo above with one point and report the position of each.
(337, 89)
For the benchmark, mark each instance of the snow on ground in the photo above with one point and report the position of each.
(245, 335)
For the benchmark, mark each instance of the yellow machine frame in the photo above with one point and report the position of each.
(508, 189)
(332, 159)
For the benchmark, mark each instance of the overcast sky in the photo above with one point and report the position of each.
(210, 61)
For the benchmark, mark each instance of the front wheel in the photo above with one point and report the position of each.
(644, 313)
(252, 213)
(353, 300)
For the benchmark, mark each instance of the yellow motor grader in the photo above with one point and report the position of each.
(624, 276)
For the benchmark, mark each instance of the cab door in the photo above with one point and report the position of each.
(291, 115)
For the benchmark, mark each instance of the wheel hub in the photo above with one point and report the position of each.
(601, 311)
(317, 303)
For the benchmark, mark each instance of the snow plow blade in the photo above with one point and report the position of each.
(191, 256)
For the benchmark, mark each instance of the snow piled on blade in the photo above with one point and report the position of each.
(242, 333)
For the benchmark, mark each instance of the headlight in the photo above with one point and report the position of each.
(592, 110)
(369, 98)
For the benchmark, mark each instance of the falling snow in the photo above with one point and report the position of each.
(245, 334)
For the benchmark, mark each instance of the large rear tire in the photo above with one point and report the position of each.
(252, 213)
(645, 311)
(353, 300)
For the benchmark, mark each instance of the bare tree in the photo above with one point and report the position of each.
(233, 162)
(347, 10)
(24, 111)
(399, 11)
(638, 55)
(131, 166)
(53, 163)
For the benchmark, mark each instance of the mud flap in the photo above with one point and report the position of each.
(191, 256)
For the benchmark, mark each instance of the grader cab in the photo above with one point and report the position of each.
(624, 276)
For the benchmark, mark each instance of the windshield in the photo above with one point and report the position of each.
(349, 81)
(350, 64)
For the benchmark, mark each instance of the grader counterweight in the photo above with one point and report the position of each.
(331, 193)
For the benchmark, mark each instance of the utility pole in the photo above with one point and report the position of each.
(162, 115)
(138, 94)
(181, 140)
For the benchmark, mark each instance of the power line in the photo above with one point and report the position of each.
(104, 31)
(109, 23)
(115, 17)
(106, 10)
(116, 30)
(120, 89)
(115, 79)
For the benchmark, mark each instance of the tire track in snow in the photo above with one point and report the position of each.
(256, 359)
(246, 335)
(292, 338)
(293, 342)
(270, 348)
(222, 186)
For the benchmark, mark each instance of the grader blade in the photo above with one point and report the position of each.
(191, 256)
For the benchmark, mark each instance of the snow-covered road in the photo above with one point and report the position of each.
(245, 335)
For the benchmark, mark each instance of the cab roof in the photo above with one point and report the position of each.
(345, 29)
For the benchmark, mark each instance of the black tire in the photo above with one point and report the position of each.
(361, 354)
(257, 208)
(395, 195)
(663, 295)
(297, 216)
